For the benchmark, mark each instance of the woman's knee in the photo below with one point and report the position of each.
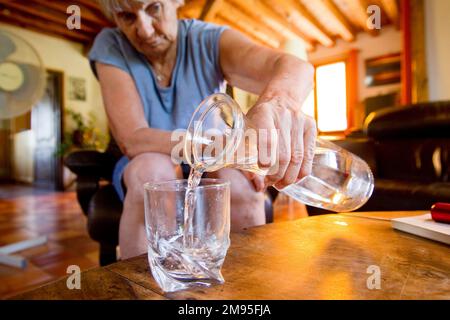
(148, 167)
(242, 189)
(247, 205)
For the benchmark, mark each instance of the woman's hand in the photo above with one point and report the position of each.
(283, 83)
(291, 150)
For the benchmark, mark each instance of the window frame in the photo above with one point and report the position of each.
(350, 59)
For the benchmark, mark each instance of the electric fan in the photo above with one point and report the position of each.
(22, 76)
(22, 84)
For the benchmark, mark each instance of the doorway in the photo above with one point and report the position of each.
(33, 139)
(47, 126)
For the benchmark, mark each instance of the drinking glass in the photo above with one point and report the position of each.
(174, 265)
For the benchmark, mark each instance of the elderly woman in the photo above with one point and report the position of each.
(154, 70)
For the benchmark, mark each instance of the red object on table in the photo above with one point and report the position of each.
(440, 212)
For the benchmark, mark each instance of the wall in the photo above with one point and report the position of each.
(66, 56)
(63, 56)
(437, 35)
(388, 41)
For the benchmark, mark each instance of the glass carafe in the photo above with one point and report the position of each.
(220, 136)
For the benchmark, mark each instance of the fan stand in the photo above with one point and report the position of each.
(8, 258)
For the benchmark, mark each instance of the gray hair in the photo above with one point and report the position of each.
(109, 7)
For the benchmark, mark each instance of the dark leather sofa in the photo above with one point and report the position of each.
(408, 150)
(100, 202)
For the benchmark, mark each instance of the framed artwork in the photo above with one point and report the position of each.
(383, 70)
(77, 89)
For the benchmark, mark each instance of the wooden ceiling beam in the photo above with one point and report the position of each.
(93, 5)
(56, 17)
(268, 10)
(189, 13)
(26, 21)
(251, 25)
(257, 37)
(258, 11)
(319, 32)
(210, 10)
(191, 10)
(249, 28)
(212, 13)
(86, 13)
(337, 21)
(358, 10)
(300, 18)
(392, 10)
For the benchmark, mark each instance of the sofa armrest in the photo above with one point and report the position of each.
(90, 167)
(417, 121)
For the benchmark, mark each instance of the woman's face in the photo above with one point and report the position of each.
(151, 26)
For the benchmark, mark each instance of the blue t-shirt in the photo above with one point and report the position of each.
(196, 75)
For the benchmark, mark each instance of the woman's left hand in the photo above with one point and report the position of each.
(291, 150)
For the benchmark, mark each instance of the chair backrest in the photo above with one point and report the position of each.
(113, 149)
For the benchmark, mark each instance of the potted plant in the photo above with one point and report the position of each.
(84, 135)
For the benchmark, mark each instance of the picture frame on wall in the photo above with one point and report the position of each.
(383, 70)
(77, 89)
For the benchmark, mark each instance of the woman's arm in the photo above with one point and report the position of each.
(126, 115)
(257, 69)
(283, 83)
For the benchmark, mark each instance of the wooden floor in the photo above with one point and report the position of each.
(27, 213)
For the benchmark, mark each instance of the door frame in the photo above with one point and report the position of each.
(59, 98)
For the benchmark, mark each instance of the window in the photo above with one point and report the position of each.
(331, 97)
(333, 101)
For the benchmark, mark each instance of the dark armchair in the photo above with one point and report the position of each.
(100, 202)
(97, 197)
(408, 150)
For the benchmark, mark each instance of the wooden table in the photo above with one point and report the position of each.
(322, 257)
